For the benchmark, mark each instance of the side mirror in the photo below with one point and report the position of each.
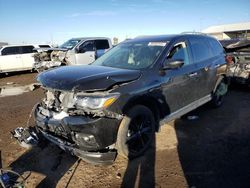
(172, 64)
(77, 49)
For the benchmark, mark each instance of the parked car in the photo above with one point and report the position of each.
(73, 52)
(17, 57)
(238, 52)
(116, 103)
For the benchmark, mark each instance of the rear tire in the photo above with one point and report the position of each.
(219, 94)
(136, 132)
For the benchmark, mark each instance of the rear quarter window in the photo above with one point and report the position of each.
(102, 44)
(215, 46)
(11, 50)
(200, 49)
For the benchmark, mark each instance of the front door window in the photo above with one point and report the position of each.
(179, 52)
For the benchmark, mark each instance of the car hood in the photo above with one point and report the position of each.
(235, 45)
(86, 77)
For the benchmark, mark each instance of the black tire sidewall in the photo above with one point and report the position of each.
(122, 147)
(218, 100)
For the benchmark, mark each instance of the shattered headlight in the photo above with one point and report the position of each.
(96, 102)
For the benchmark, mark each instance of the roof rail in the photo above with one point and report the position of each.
(194, 33)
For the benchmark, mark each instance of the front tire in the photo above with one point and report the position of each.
(136, 132)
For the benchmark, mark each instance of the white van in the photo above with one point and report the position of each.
(17, 57)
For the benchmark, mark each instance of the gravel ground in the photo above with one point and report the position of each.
(211, 151)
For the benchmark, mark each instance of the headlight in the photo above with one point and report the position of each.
(95, 102)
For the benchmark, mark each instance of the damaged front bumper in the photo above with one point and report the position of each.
(44, 65)
(90, 138)
(47, 58)
(92, 157)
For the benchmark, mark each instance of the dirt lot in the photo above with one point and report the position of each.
(212, 151)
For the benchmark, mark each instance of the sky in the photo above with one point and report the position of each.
(55, 21)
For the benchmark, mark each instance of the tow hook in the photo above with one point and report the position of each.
(26, 137)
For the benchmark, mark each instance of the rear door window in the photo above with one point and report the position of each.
(13, 50)
(102, 44)
(215, 47)
(200, 49)
(27, 49)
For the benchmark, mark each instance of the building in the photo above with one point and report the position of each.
(229, 31)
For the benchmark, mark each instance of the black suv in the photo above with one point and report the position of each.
(117, 103)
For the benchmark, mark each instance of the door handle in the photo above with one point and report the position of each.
(193, 74)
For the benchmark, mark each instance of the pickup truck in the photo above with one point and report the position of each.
(73, 52)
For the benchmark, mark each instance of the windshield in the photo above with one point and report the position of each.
(131, 55)
(70, 44)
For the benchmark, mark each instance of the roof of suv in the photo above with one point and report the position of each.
(87, 38)
(160, 38)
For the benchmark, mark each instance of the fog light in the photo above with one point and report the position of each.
(85, 139)
(89, 138)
